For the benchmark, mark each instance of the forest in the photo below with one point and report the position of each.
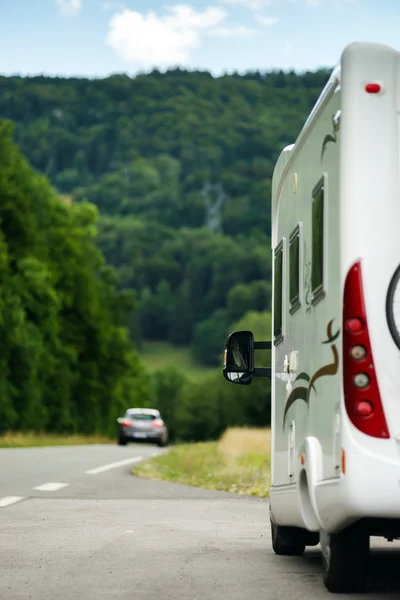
(135, 209)
(179, 166)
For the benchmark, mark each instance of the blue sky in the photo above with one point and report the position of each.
(97, 37)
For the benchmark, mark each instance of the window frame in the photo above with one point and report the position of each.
(278, 334)
(296, 302)
(319, 292)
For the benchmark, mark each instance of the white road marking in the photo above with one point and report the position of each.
(10, 500)
(130, 531)
(121, 463)
(50, 487)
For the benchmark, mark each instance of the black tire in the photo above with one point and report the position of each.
(122, 441)
(287, 541)
(345, 560)
(161, 443)
(393, 327)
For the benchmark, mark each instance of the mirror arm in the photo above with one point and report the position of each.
(262, 372)
(237, 370)
(263, 345)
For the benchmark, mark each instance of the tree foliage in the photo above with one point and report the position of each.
(142, 211)
(66, 362)
(179, 166)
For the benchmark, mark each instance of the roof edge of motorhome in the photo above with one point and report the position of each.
(292, 150)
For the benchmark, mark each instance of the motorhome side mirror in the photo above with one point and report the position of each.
(239, 358)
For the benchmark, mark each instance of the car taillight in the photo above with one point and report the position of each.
(157, 423)
(126, 422)
(361, 391)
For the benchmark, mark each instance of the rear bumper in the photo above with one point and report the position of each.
(143, 435)
(369, 489)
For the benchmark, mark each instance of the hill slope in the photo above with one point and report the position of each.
(179, 165)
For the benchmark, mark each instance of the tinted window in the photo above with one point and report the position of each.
(317, 272)
(278, 269)
(294, 270)
(140, 417)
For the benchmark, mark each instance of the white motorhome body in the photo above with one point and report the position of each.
(335, 355)
(335, 376)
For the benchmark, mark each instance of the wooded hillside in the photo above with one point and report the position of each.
(179, 166)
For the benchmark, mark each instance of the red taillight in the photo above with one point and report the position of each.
(363, 402)
(126, 423)
(373, 88)
(365, 408)
(354, 325)
(157, 423)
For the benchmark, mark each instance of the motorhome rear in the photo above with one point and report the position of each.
(335, 340)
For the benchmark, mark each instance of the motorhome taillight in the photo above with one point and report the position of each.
(365, 408)
(363, 402)
(373, 88)
(355, 325)
(358, 352)
(361, 380)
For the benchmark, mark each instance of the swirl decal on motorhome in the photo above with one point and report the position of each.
(307, 285)
(302, 392)
(331, 137)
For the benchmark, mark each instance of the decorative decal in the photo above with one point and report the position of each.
(303, 376)
(331, 137)
(306, 378)
(302, 392)
(307, 280)
(299, 393)
(307, 286)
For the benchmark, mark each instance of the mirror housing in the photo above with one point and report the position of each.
(239, 358)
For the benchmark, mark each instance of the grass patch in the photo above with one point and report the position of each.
(239, 463)
(157, 355)
(28, 440)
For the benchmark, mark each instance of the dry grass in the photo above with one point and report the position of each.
(239, 463)
(239, 441)
(27, 440)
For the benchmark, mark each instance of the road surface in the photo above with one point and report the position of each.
(75, 524)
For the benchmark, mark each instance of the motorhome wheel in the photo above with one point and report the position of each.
(345, 557)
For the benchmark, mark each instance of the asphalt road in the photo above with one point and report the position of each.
(93, 531)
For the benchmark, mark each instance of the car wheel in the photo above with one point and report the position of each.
(122, 441)
(287, 541)
(161, 443)
(345, 558)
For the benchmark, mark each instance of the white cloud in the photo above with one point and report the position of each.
(258, 5)
(252, 4)
(268, 21)
(150, 39)
(340, 3)
(69, 8)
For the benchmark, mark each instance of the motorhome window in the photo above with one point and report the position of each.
(294, 270)
(317, 269)
(278, 292)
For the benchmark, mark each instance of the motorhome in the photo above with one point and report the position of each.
(335, 340)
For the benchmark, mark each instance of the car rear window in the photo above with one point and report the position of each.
(139, 417)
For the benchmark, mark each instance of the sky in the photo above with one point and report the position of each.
(96, 38)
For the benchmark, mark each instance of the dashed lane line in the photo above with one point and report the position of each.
(121, 463)
(50, 487)
(8, 500)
